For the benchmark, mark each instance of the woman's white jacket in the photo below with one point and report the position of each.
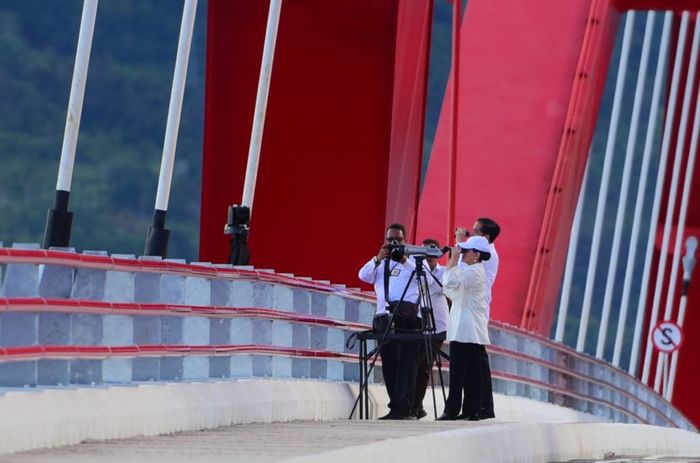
(467, 287)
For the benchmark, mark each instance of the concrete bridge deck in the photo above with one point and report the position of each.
(335, 441)
(276, 420)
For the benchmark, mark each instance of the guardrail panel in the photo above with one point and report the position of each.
(149, 319)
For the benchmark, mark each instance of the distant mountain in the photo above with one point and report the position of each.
(122, 128)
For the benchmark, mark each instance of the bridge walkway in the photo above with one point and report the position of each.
(323, 441)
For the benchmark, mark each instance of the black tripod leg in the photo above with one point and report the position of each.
(362, 375)
(428, 321)
(366, 385)
(436, 356)
(431, 359)
(364, 382)
(438, 363)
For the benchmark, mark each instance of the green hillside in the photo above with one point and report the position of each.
(123, 121)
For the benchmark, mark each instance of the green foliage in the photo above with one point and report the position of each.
(122, 126)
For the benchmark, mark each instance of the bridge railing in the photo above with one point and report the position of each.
(69, 318)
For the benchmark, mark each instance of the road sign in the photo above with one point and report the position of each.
(667, 336)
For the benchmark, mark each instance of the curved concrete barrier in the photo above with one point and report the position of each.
(57, 417)
(42, 418)
(93, 319)
(525, 430)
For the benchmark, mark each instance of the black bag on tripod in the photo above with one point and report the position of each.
(406, 314)
(406, 317)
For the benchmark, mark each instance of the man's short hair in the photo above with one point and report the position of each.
(489, 227)
(431, 242)
(396, 226)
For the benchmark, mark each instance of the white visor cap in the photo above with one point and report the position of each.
(478, 243)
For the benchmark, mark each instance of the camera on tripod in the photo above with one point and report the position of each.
(238, 220)
(237, 224)
(397, 251)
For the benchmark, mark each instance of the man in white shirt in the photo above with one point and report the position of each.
(490, 230)
(391, 273)
(440, 313)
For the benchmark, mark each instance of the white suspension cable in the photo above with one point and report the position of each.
(175, 109)
(251, 174)
(665, 144)
(570, 259)
(638, 209)
(675, 176)
(605, 180)
(624, 188)
(77, 93)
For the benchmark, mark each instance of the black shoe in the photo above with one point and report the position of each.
(420, 413)
(397, 416)
(469, 417)
(446, 417)
(486, 416)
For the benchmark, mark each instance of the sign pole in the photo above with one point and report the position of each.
(691, 246)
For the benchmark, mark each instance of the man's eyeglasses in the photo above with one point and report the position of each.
(389, 240)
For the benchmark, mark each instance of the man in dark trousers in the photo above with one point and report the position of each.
(390, 273)
(490, 230)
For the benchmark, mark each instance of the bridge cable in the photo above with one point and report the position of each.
(605, 181)
(624, 190)
(638, 209)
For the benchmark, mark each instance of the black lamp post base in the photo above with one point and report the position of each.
(157, 237)
(59, 222)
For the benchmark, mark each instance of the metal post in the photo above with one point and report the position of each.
(638, 210)
(158, 235)
(624, 188)
(59, 220)
(605, 180)
(691, 246)
(261, 103)
(656, 206)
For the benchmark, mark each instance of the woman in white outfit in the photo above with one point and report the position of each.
(467, 327)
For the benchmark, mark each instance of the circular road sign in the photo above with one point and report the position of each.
(667, 336)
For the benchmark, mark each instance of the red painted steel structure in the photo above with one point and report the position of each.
(343, 137)
(531, 82)
(335, 165)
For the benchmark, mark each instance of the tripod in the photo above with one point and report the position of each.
(428, 327)
(426, 332)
